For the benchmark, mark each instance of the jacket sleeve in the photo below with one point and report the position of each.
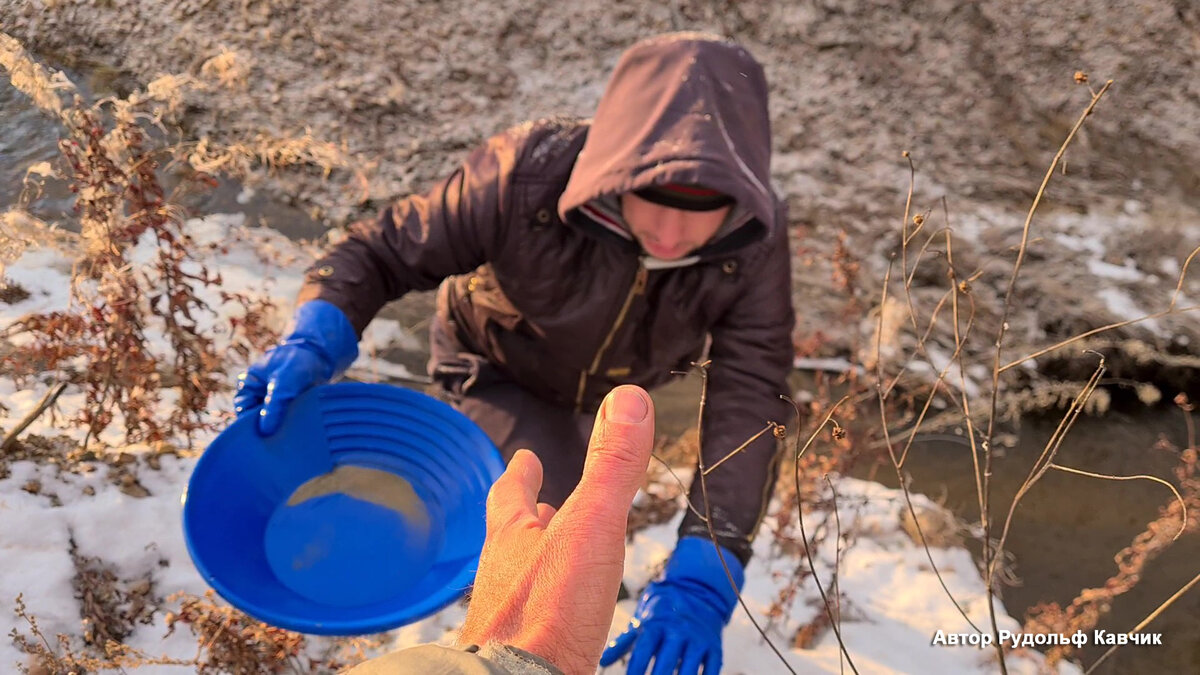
(418, 241)
(751, 355)
(431, 659)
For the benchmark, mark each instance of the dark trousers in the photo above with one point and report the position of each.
(511, 416)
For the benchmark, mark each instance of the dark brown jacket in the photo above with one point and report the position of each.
(567, 306)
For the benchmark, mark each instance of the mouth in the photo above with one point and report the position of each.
(663, 252)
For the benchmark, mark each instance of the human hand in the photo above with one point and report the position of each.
(679, 619)
(547, 580)
(322, 345)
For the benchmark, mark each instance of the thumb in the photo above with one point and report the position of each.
(514, 494)
(617, 455)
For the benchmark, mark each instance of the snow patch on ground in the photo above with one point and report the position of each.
(1123, 307)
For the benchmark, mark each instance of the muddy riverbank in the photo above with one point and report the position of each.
(981, 95)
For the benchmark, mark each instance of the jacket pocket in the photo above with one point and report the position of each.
(488, 301)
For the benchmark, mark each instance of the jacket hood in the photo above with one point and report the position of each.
(681, 108)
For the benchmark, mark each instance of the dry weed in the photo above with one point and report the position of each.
(109, 608)
(229, 68)
(101, 342)
(1010, 398)
(65, 657)
(231, 642)
(44, 659)
(12, 292)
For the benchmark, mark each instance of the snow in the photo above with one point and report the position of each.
(892, 601)
(376, 370)
(1073, 242)
(47, 277)
(833, 365)
(384, 333)
(1169, 266)
(1120, 305)
(1125, 272)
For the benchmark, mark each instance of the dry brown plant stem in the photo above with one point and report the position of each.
(42, 406)
(1146, 622)
(770, 427)
(1041, 466)
(712, 533)
(1178, 497)
(959, 341)
(837, 565)
(1120, 324)
(683, 488)
(834, 617)
(908, 275)
(887, 441)
(1095, 331)
(959, 338)
(989, 556)
(111, 153)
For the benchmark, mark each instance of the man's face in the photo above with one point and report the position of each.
(668, 233)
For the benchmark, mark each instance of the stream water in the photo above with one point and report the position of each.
(1068, 528)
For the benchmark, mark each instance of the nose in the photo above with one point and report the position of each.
(671, 229)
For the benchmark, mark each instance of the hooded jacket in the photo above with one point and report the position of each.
(539, 275)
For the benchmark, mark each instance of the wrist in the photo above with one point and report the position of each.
(699, 557)
(555, 647)
(517, 659)
(558, 647)
(705, 571)
(324, 328)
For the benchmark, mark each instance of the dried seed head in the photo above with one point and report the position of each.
(1080, 77)
(918, 219)
(1181, 400)
(838, 432)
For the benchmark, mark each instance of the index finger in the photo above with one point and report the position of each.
(514, 494)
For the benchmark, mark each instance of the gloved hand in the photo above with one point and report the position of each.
(679, 619)
(321, 346)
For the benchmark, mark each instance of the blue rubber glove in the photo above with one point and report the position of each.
(679, 619)
(321, 346)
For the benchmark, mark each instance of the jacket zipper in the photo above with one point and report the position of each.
(636, 289)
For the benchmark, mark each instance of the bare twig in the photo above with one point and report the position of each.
(904, 235)
(957, 288)
(988, 557)
(770, 427)
(812, 437)
(837, 562)
(1043, 463)
(1094, 331)
(1182, 276)
(44, 404)
(833, 618)
(682, 487)
(712, 533)
(1105, 476)
(1145, 622)
(882, 396)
